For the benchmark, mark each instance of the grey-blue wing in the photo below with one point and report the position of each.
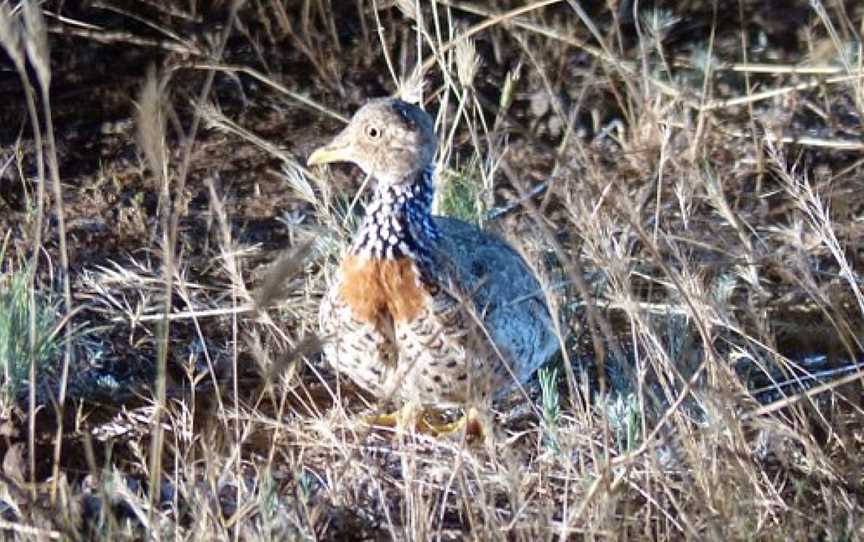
(505, 292)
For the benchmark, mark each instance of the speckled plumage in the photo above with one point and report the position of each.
(417, 298)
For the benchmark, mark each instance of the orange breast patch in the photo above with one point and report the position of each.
(376, 288)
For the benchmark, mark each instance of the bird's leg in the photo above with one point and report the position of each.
(473, 423)
(407, 413)
(414, 415)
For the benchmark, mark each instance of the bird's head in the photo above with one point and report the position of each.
(389, 139)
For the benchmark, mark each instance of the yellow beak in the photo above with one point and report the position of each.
(338, 150)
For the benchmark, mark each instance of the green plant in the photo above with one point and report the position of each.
(15, 332)
(551, 406)
(625, 420)
(460, 197)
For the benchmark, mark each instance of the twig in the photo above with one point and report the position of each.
(29, 530)
(765, 94)
(808, 394)
(255, 74)
(497, 212)
(108, 36)
(779, 69)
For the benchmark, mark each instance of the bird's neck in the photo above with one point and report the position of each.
(398, 222)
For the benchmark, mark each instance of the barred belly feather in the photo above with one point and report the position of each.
(393, 336)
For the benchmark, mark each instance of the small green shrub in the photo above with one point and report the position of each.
(551, 406)
(15, 355)
(460, 198)
(625, 420)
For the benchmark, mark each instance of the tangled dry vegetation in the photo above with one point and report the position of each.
(686, 177)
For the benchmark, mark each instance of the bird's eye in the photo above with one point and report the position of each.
(372, 132)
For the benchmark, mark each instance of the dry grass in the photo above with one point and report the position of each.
(686, 183)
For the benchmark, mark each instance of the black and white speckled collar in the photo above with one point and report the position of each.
(398, 222)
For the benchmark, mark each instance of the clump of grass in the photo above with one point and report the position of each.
(548, 377)
(461, 197)
(625, 420)
(15, 333)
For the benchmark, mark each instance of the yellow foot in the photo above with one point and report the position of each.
(428, 422)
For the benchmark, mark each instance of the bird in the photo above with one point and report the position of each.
(428, 310)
